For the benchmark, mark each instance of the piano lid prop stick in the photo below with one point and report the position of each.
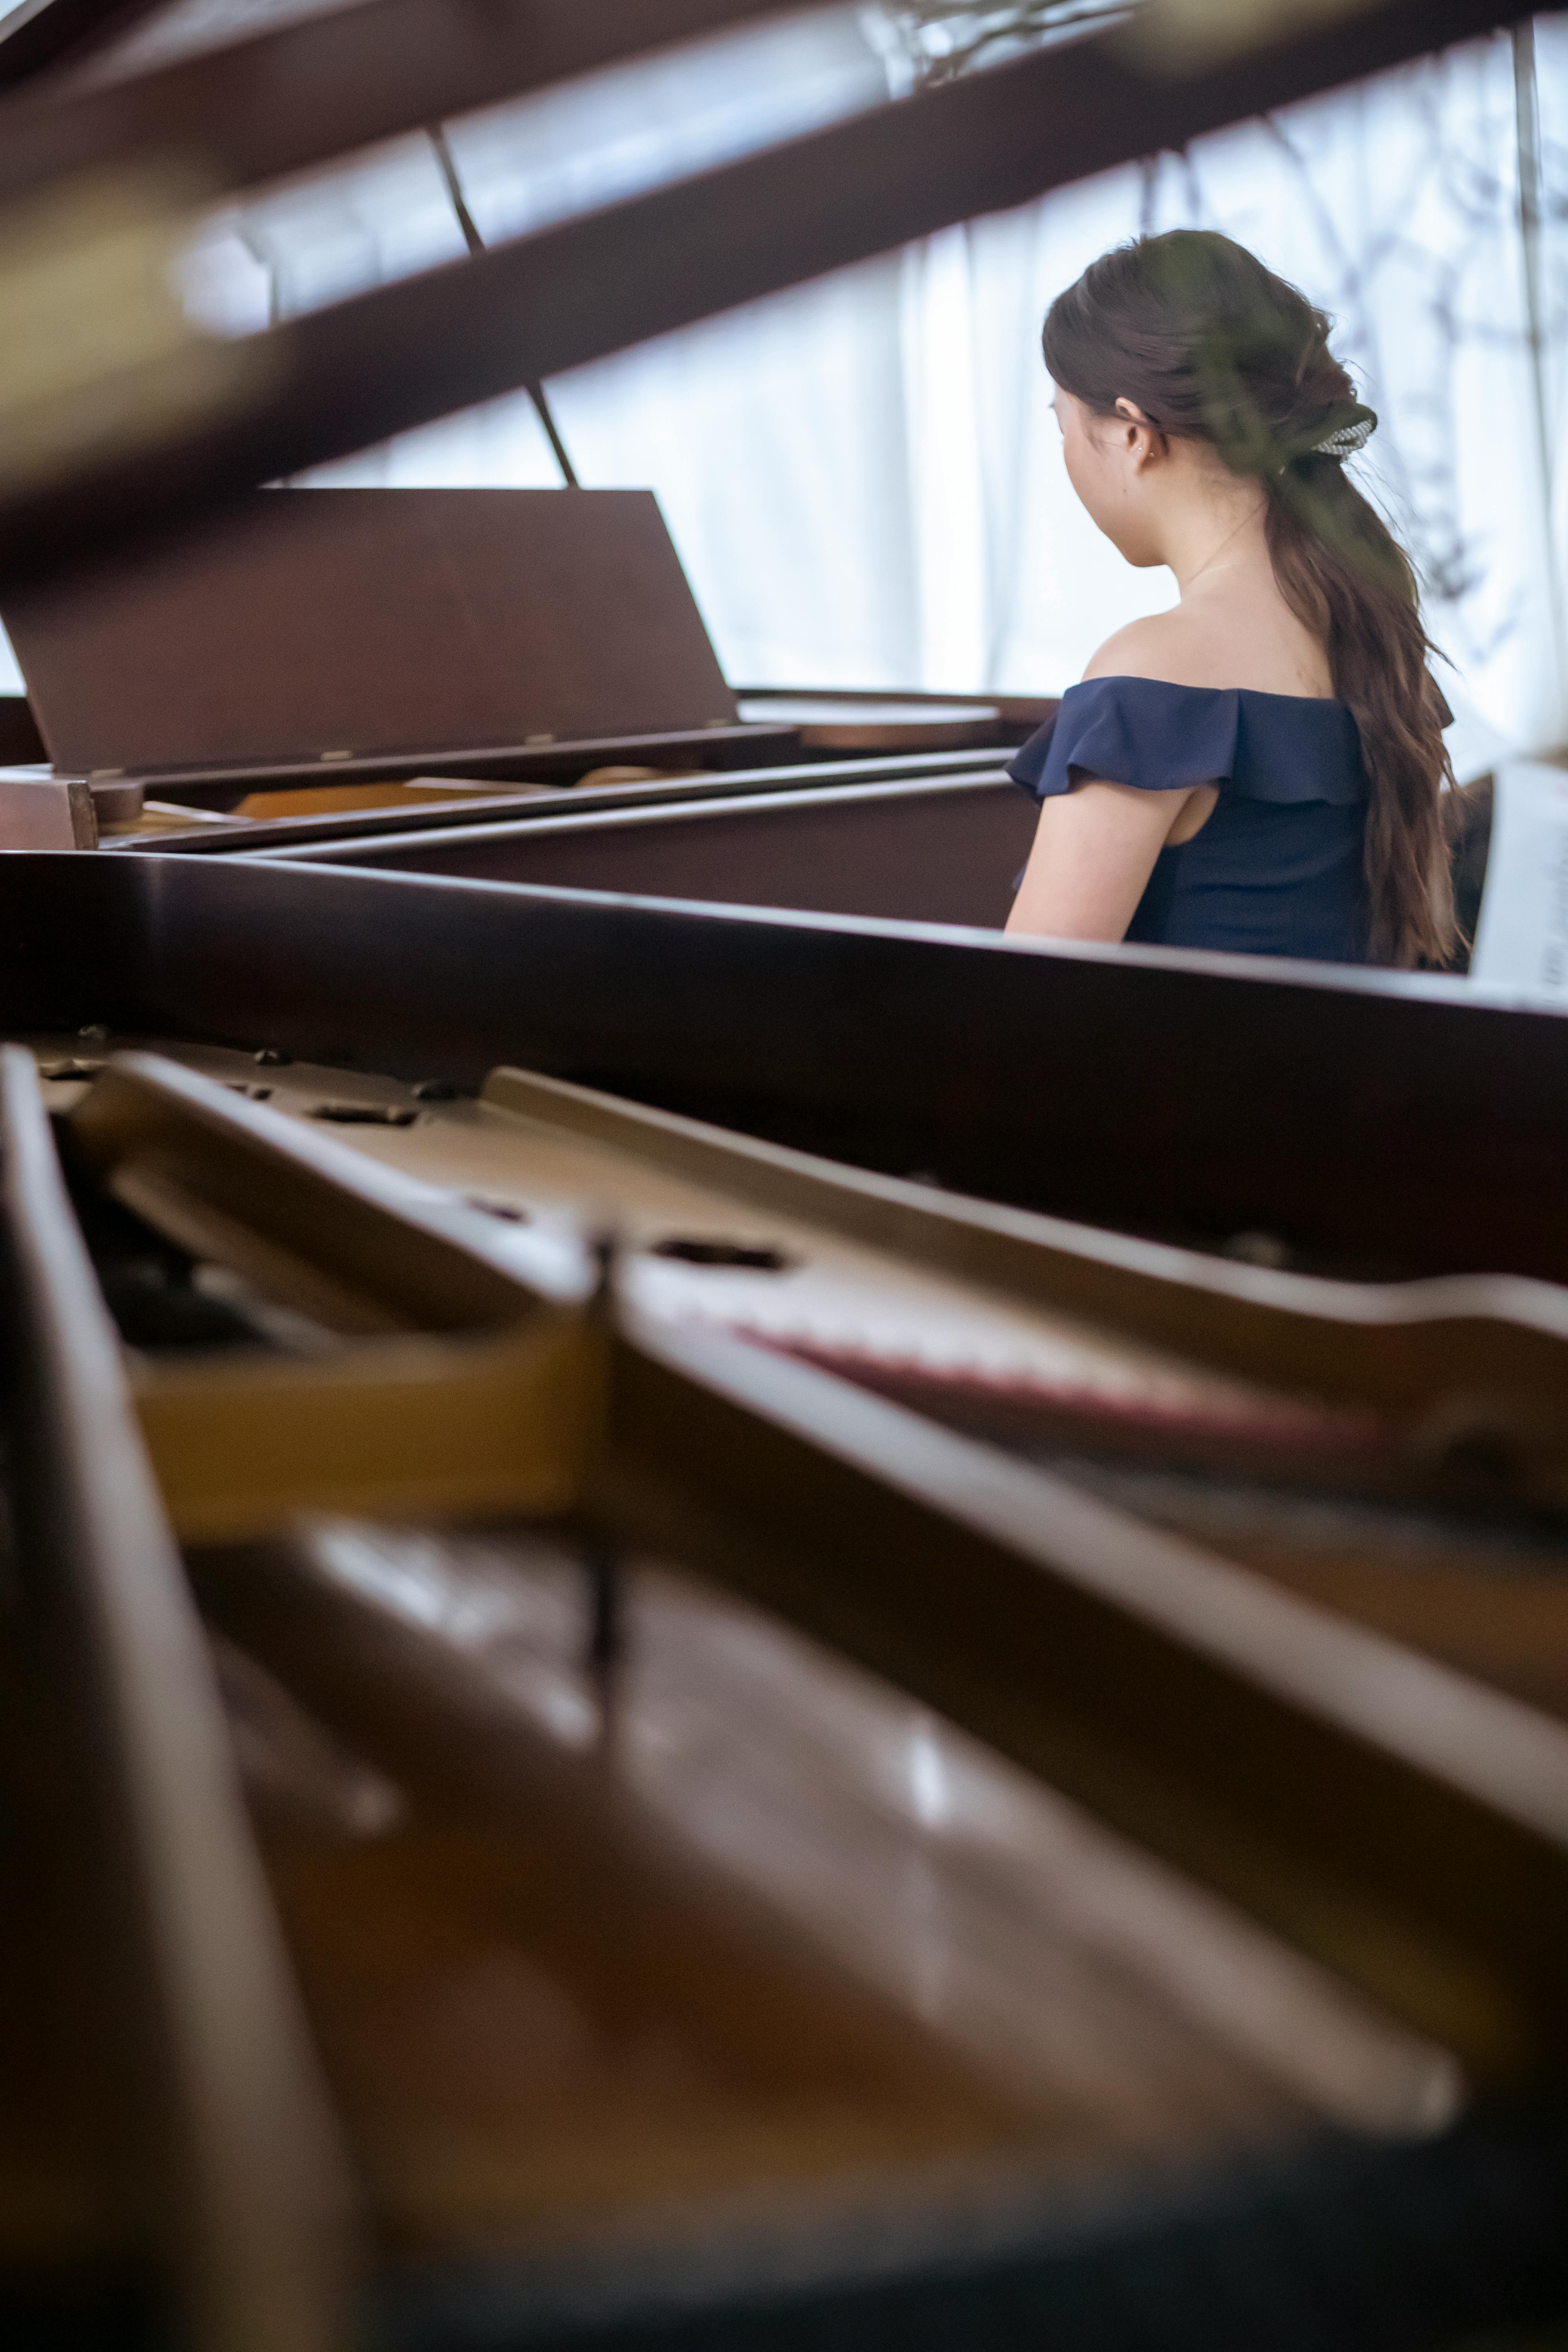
(476, 244)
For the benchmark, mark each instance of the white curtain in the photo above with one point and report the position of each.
(863, 477)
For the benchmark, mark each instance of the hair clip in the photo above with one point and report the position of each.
(1345, 440)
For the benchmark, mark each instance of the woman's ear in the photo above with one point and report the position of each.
(1141, 439)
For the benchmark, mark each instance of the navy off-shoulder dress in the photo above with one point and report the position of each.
(1276, 869)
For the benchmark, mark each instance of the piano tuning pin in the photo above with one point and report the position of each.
(604, 1248)
(93, 1033)
(606, 1623)
(1259, 1249)
(509, 1211)
(363, 1114)
(271, 1058)
(691, 1249)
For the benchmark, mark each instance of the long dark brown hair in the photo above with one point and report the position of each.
(1213, 347)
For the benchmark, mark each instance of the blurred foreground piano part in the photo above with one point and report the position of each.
(648, 1839)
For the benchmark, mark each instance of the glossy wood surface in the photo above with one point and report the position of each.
(1251, 1096)
(68, 2193)
(733, 1917)
(429, 804)
(1133, 1666)
(932, 851)
(460, 621)
(232, 2158)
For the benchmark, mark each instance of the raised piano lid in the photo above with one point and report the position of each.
(326, 632)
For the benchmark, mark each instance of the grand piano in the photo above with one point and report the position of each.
(702, 1647)
(323, 652)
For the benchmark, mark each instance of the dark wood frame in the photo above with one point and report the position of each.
(1383, 1120)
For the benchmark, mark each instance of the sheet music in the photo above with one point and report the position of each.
(1522, 937)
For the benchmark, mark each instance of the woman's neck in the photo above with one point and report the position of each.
(1232, 626)
(1207, 539)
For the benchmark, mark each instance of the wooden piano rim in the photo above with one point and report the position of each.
(250, 2191)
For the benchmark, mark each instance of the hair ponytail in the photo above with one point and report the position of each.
(1347, 579)
(1211, 346)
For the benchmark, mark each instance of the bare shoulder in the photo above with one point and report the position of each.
(1165, 646)
(1242, 635)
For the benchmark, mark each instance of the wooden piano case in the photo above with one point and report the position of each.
(1360, 1120)
(728, 1871)
(941, 848)
(286, 821)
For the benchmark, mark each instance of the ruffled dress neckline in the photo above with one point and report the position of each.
(1277, 868)
(1147, 732)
